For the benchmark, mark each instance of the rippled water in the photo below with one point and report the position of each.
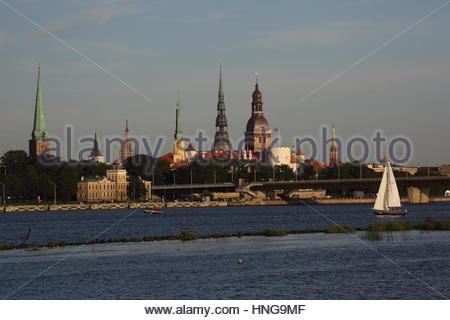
(85, 225)
(414, 265)
(313, 266)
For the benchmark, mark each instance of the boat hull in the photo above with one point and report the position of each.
(153, 211)
(391, 213)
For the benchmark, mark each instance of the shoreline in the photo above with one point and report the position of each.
(163, 205)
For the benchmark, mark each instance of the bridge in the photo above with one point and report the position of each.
(368, 185)
(171, 192)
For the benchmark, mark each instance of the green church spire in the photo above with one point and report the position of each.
(39, 127)
(179, 125)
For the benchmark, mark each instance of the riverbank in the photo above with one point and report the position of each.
(162, 205)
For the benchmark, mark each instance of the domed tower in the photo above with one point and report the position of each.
(258, 135)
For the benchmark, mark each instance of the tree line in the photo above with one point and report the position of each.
(26, 179)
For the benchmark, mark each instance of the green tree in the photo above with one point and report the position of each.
(30, 181)
(66, 182)
(148, 168)
(136, 188)
(15, 161)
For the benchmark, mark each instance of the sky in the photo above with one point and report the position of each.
(112, 60)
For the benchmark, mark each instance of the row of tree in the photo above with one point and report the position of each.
(26, 179)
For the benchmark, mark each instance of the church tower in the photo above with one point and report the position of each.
(127, 145)
(334, 152)
(258, 135)
(221, 138)
(179, 147)
(96, 155)
(39, 145)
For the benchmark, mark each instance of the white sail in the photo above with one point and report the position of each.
(387, 196)
(380, 203)
(393, 198)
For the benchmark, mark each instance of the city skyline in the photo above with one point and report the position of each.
(386, 92)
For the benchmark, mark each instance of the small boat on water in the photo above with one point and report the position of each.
(388, 202)
(154, 211)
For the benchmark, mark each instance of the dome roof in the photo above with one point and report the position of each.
(257, 123)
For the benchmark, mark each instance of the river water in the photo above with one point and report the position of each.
(85, 225)
(414, 265)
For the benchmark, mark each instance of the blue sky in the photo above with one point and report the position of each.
(162, 47)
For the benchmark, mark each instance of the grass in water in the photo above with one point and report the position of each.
(340, 229)
(187, 236)
(390, 226)
(440, 225)
(374, 232)
(274, 233)
(372, 236)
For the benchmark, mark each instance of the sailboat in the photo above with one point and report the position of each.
(388, 201)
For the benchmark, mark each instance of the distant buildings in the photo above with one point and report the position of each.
(39, 145)
(257, 146)
(113, 187)
(444, 170)
(258, 139)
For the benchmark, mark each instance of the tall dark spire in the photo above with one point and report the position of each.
(39, 126)
(178, 123)
(95, 150)
(221, 138)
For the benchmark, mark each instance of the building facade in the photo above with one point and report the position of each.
(113, 187)
(258, 136)
(39, 144)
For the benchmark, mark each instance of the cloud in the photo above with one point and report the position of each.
(328, 35)
(85, 18)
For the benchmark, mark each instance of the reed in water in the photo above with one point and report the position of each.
(374, 232)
